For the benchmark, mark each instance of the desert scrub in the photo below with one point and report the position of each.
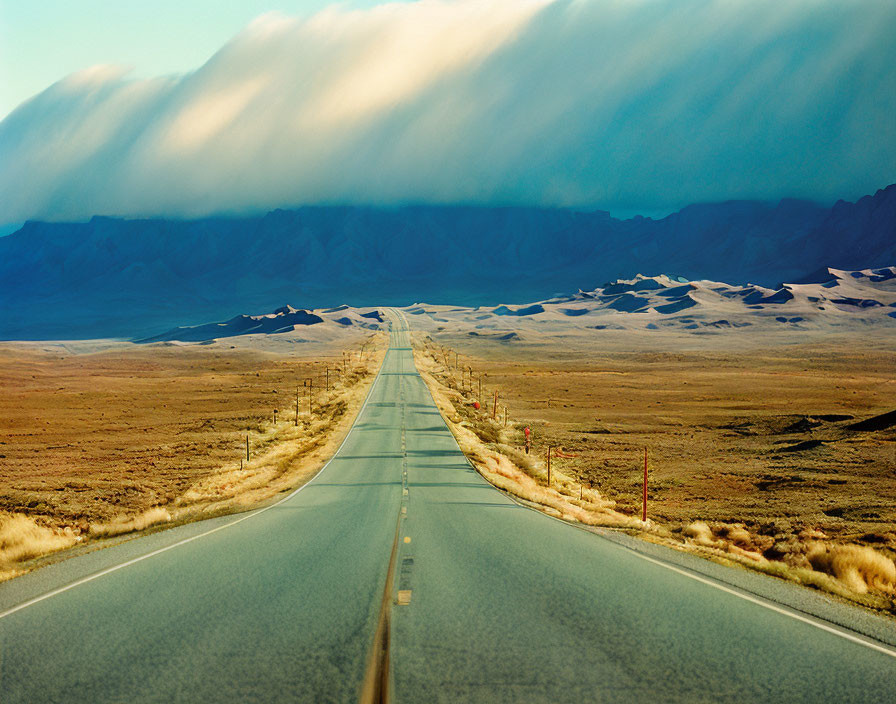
(859, 567)
(23, 538)
(129, 524)
(858, 573)
(486, 442)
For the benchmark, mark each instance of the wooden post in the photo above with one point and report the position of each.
(644, 503)
(275, 416)
(455, 360)
(495, 406)
(247, 447)
(550, 447)
(310, 392)
(297, 405)
(505, 416)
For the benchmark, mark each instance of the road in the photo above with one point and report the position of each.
(495, 602)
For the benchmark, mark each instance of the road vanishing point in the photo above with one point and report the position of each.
(398, 574)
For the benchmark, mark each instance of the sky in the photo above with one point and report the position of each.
(188, 109)
(43, 40)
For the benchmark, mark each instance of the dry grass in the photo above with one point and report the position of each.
(280, 456)
(701, 534)
(96, 445)
(129, 524)
(481, 440)
(750, 456)
(23, 538)
(859, 567)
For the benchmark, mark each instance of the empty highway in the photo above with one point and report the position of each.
(490, 601)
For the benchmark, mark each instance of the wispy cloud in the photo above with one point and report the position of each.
(636, 104)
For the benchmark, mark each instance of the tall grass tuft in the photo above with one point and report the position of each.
(22, 538)
(129, 524)
(860, 567)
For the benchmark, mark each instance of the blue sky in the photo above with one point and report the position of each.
(43, 40)
(625, 105)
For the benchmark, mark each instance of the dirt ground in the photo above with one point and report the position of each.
(91, 440)
(758, 437)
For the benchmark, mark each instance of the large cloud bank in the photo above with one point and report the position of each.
(636, 104)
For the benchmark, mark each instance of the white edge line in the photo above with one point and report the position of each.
(746, 597)
(768, 605)
(258, 512)
(760, 601)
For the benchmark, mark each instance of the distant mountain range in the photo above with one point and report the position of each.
(134, 278)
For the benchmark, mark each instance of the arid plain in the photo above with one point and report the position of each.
(101, 439)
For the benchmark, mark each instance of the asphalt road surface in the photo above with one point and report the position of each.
(491, 602)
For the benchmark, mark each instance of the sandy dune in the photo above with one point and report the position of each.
(836, 301)
(324, 325)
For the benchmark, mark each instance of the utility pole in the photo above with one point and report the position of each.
(644, 502)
